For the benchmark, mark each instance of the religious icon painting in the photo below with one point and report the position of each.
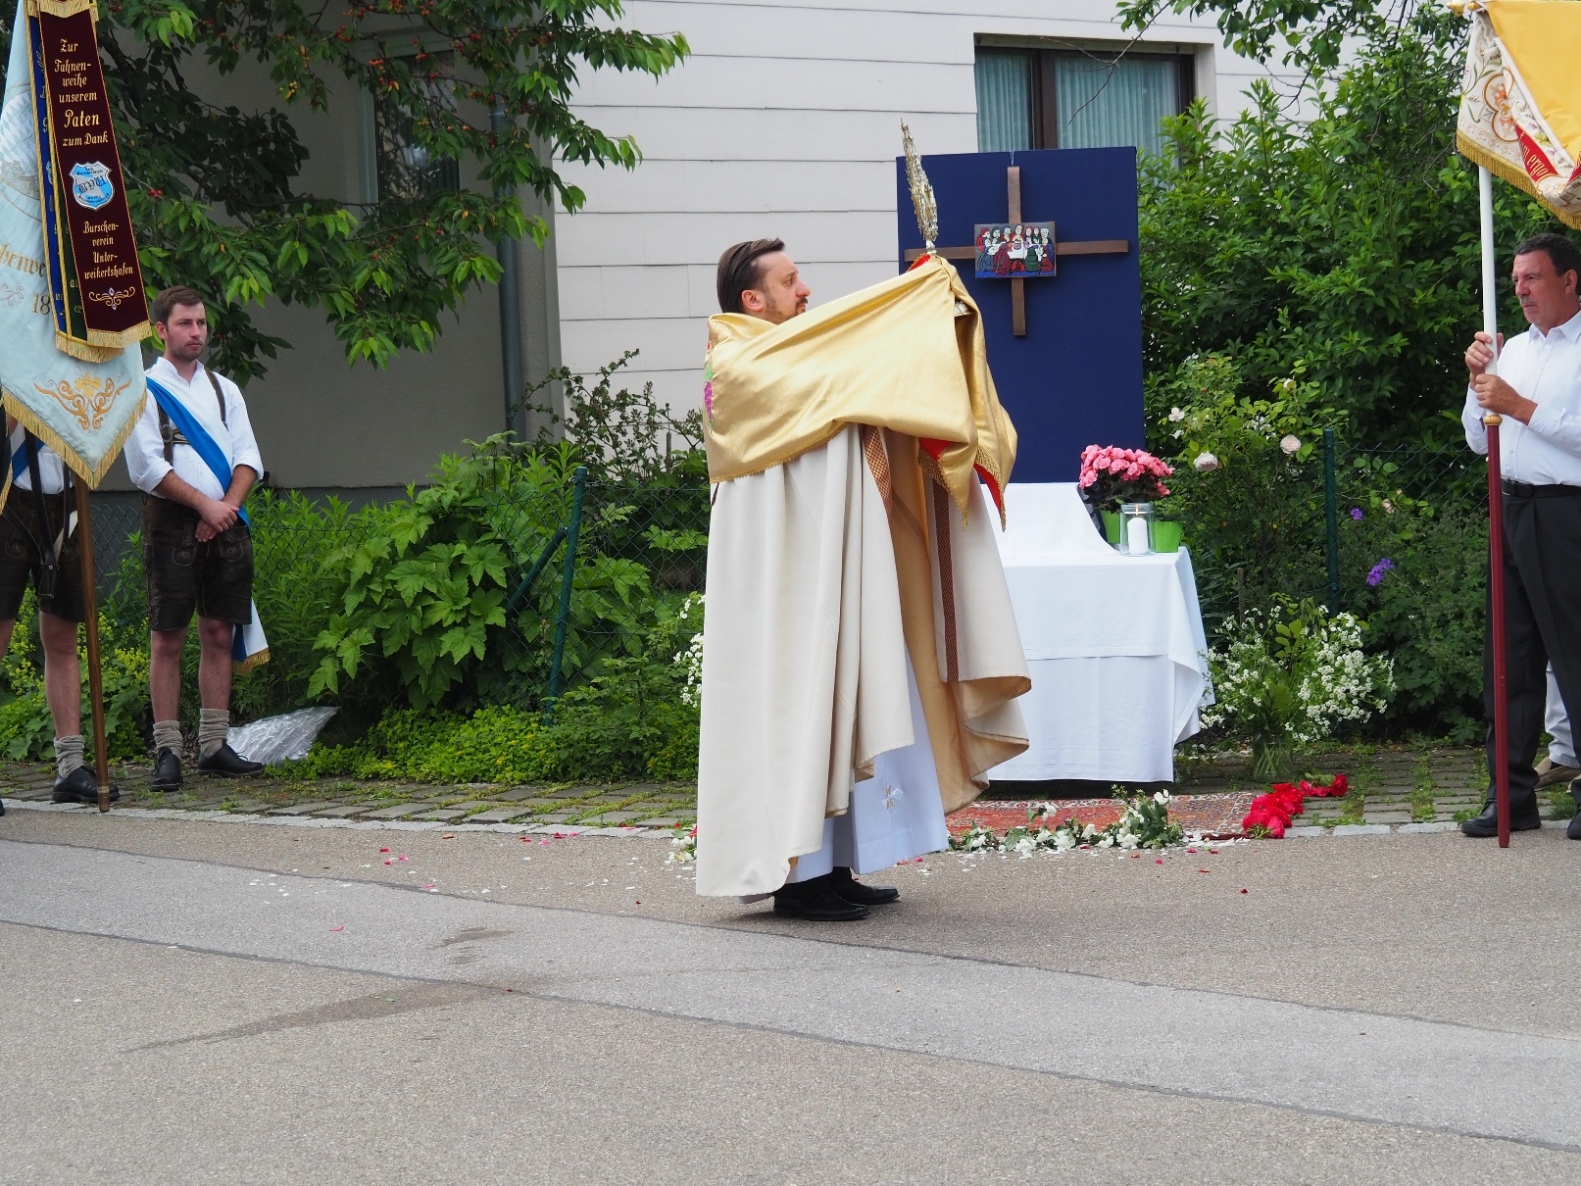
(1018, 250)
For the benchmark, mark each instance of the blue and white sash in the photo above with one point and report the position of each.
(250, 647)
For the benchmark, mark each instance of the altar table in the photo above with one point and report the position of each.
(1114, 643)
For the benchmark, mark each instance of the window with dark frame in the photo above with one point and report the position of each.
(406, 170)
(1062, 98)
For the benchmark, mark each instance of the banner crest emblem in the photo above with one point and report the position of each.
(91, 185)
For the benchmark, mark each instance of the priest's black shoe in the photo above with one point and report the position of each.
(853, 890)
(1524, 817)
(816, 901)
(81, 786)
(227, 763)
(167, 771)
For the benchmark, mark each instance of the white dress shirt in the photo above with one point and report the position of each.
(50, 473)
(145, 448)
(1546, 369)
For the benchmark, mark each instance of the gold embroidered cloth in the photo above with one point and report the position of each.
(1520, 107)
(907, 354)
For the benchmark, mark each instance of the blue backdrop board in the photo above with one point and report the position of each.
(1075, 378)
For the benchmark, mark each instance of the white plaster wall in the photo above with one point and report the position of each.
(785, 122)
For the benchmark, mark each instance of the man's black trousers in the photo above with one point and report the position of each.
(1542, 614)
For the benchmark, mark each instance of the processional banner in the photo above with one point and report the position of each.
(72, 305)
(1520, 106)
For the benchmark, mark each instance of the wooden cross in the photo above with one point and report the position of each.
(1018, 298)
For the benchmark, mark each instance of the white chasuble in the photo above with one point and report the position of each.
(804, 662)
(816, 661)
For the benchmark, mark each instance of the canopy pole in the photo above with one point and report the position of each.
(1501, 704)
(90, 615)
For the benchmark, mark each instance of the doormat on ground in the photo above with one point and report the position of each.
(1214, 817)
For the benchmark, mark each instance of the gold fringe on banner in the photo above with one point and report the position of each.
(251, 661)
(86, 351)
(1515, 175)
(29, 420)
(62, 8)
(120, 339)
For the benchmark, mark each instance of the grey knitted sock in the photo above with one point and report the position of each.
(167, 735)
(68, 754)
(214, 725)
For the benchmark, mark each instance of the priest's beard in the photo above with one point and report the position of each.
(781, 310)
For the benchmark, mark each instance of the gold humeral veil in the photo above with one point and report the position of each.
(846, 546)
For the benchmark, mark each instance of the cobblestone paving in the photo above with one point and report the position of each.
(1390, 786)
(641, 805)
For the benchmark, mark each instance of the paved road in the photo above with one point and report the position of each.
(199, 1002)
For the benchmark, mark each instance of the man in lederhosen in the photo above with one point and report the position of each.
(38, 545)
(197, 549)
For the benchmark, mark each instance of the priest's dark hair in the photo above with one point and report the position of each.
(740, 268)
(1561, 249)
(169, 298)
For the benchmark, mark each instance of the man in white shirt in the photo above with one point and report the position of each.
(1537, 392)
(34, 546)
(197, 550)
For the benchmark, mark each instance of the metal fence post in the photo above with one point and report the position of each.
(1331, 517)
(579, 482)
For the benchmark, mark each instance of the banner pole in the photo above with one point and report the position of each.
(90, 608)
(1501, 704)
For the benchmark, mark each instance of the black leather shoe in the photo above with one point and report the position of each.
(227, 763)
(852, 890)
(1524, 817)
(167, 771)
(81, 786)
(2, 806)
(816, 901)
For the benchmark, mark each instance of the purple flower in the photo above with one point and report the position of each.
(1355, 513)
(1375, 577)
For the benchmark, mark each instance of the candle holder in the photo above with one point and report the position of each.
(1136, 528)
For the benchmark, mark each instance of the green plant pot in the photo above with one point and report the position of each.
(1111, 526)
(1166, 536)
(1272, 759)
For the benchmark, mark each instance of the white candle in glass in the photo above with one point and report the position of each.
(1136, 541)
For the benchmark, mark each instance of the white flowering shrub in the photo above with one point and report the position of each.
(690, 659)
(1294, 671)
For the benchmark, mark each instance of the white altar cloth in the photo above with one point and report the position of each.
(1115, 644)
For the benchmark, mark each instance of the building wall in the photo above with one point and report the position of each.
(786, 122)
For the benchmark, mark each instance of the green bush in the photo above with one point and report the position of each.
(630, 719)
(1254, 520)
(1427, 610)
(1341, 250)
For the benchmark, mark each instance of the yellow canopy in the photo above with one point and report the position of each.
(1520, 109)
(906, 354)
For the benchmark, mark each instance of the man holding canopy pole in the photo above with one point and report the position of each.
(72, 307)
(1520, 117)
(1537, 392)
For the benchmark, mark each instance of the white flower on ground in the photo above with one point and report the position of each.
(1205, 462)
(1290, 444)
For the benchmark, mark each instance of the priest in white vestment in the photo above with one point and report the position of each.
(860, 658)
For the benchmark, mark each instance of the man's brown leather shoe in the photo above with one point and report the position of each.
(1549, 775)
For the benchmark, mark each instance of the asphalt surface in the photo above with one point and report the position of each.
(207, 1002)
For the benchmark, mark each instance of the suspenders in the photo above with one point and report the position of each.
(171, 435)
